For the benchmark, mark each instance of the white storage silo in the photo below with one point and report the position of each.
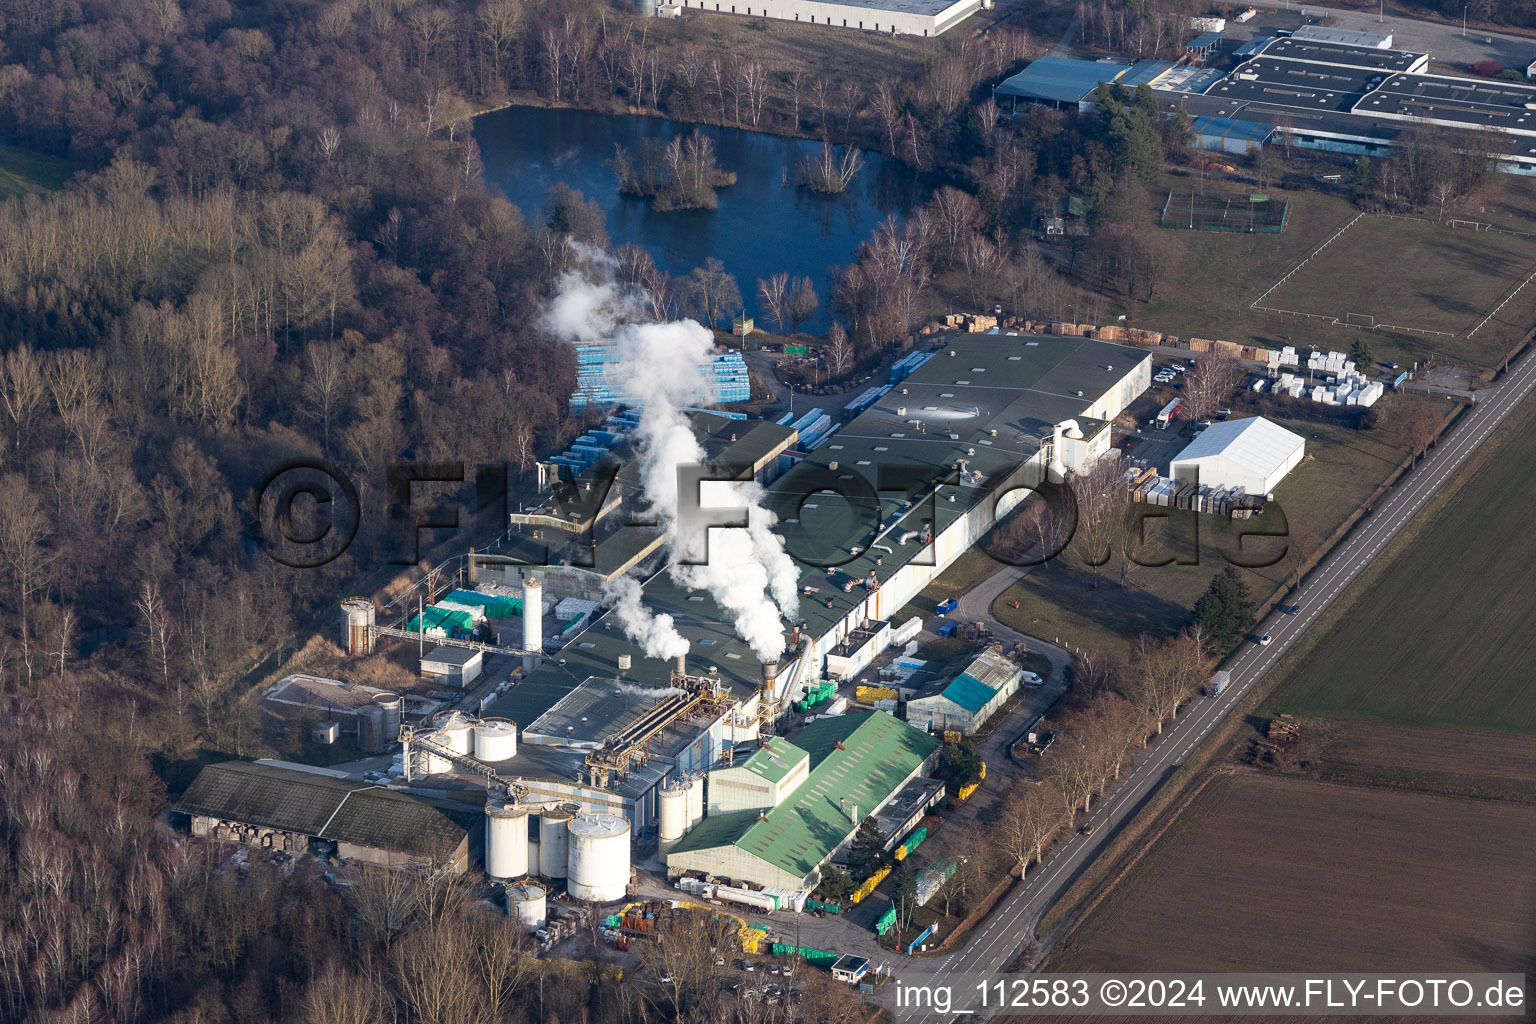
(671, 814)
(506, 838)
(455, 729)
(495, 739)
(429, 763)
(599, 860)
(527, 903)
(695, 802)
(554, 839)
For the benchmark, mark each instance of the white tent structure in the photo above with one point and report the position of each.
(1254, 454)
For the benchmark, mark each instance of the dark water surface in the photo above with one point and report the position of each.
(764, 225)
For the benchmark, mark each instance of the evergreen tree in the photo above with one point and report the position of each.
(868, 851)
(836, 884)
(1225, 611)
(959, 765)
(1360, 352)
(1364, 174)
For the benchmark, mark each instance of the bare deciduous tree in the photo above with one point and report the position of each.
(773, 292)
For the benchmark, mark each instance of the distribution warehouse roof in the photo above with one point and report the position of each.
(860, 759)
(320, 805)
(1255, 443)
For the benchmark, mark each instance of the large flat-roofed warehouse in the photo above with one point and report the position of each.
(286, 809)
(858, 763)
(1356, 96)
(1254, 454)
(901, 17)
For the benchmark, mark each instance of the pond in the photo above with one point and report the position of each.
(764, 225)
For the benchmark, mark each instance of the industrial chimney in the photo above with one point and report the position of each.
(771, 678)
(533, 623)
(680, 666)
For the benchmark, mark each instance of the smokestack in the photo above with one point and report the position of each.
(680, 666)
(625, 661)
(771, 678)
(533, 623)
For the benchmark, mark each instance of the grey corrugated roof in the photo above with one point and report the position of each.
(320, 805)
(1060, 79)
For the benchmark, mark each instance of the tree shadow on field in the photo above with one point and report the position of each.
(1498, 959)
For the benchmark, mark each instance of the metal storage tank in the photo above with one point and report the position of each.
(695, 802)
(554, 839)
(599, 864)
(429, 763)
(672, 814)
(495, 739)
(370, 729)
(528, 903)
(357, 615)
(456, 729)
(506, 838)
(394, 709)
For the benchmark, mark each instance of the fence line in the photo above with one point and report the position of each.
(1495, 311)
(1336, 322)
(1288, 273)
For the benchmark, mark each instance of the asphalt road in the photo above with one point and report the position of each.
(1012, 924)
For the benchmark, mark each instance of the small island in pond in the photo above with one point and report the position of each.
(681, 175)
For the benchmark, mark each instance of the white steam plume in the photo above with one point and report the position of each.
(748, 573)
(654, 633)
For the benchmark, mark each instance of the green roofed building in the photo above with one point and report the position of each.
(970, 698)
(852, 765)
(284, 809)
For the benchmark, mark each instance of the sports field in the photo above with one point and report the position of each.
(1421, 277)
(1447, 634)
(1265, 873)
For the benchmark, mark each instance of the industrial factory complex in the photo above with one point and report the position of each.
(1320, 88)
(581, 754)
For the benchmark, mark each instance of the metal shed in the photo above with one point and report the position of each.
(1226, 135)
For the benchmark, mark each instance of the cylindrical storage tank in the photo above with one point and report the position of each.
(455, 731)
(528, 902)
(506, 838)
(533, 622)
(370, 729)
(671, 815)
(599, 864)
(394, 708)
(357, 615)
(429, 763)
(695, 803)
(554, 839)
(495, 739)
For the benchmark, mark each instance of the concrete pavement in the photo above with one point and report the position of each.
(1012, 924)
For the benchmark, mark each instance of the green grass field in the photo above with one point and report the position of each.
(1421, 276)
(1397, 271)
(1447, 634)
